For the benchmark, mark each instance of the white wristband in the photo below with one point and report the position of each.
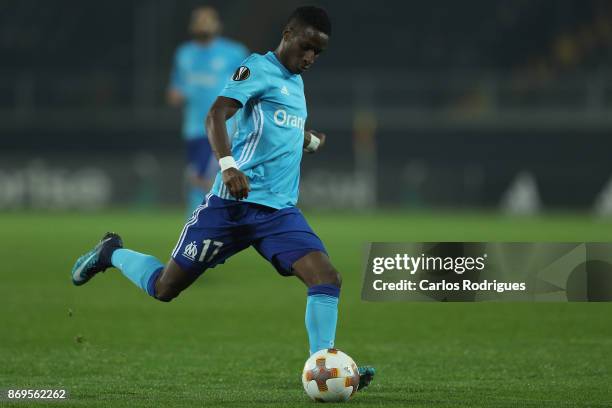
(314, 143)
(227, 162)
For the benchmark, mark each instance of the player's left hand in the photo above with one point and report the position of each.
(321, 137)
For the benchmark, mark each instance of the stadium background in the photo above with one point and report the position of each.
(442, 116)
(426, 105)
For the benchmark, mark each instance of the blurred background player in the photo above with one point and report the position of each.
(200, 70)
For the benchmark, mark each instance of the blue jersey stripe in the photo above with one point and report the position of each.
(223, 192)
(258, 138)
(250, 137)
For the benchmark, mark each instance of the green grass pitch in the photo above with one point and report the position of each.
(237, 337)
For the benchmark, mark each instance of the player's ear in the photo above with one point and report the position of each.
(287, 33)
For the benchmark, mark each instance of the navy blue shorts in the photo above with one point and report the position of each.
(200, 157)
(221, 228)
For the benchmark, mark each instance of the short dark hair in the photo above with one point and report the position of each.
(313, 16)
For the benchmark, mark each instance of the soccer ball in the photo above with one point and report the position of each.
(330, 376)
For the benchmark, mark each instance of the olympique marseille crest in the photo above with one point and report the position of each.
(191, 251)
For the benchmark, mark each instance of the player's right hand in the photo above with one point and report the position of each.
(236, 182)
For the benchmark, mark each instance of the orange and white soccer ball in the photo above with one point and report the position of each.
(330, 376)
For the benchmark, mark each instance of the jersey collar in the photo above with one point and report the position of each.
(212, 43)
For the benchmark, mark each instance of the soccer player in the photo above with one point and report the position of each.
(200, 70)
(252, 202)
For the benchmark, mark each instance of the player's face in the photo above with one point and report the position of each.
(205, 24)
(303, 47)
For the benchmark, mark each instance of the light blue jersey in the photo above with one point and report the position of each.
(269, 140)
(200, 73)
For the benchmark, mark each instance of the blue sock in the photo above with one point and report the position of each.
(321, 316)
(195, 196)
(141, 269)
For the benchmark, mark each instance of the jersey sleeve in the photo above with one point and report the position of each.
(248, 82)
